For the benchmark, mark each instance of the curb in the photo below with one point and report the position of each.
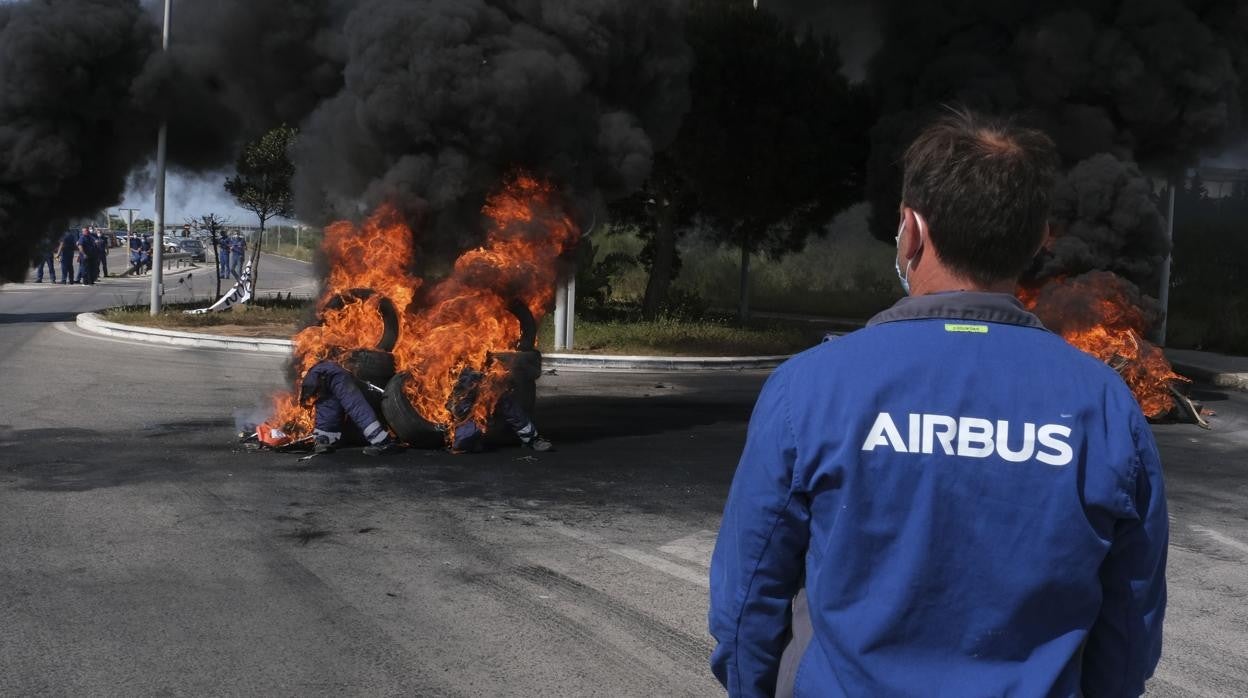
(599, 362)
(1232, 381)
(93, 322)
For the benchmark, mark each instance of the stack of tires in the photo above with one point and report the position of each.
(524, 367)
(383, 388)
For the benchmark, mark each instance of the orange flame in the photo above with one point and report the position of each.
(458, 322)
(1095, 313)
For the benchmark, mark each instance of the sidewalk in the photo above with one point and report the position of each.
(1217, 369)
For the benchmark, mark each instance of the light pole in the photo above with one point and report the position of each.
(129, 221)
(1163, 293)
(158, 238)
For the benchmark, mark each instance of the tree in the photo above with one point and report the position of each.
(144, 226)
(215, 225)
(262, 182)
(774, 143)
(660, 210)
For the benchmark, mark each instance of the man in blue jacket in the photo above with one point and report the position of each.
(65, 251)
(952, 501)
(87, 251)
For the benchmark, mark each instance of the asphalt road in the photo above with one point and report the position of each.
(146, 553)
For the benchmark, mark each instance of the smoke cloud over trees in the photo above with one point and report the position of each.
(427, 103)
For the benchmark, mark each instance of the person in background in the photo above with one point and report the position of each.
(145, 252)
(953, 500)
(44, 258)
(238, 250)
(102, 244)
(65, 251)
(135, 244)
(86, 258)
(221, 248)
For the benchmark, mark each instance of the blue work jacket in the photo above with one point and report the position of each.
(972, 506)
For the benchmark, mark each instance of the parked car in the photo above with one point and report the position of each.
(193, 247)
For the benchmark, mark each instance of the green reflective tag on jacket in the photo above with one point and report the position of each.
(973, 329)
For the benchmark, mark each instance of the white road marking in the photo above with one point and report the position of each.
(652, 561)
(1221, 538)
(658, 563)
(696, 548)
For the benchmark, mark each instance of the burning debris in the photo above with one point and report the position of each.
(445, 350)
(1103, 315)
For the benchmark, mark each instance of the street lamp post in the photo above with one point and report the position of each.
(158, 237)
(1163, 293)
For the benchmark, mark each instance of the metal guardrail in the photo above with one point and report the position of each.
(174, 260)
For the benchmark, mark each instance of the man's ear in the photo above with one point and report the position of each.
(911, 234)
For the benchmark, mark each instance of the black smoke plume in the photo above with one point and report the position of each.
(237, 68)
(84, 88)
(426, 103)
(70, 126)
(1127, 88)
(442, 98)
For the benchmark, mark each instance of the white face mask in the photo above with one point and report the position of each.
(904, 277)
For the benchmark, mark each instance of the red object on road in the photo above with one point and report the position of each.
(273, 437)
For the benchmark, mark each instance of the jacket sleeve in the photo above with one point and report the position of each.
(758, 560)
(1124, 644)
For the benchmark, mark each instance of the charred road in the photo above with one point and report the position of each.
(146, 552)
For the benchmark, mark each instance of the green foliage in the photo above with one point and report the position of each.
(667, 336)
(844, 274)
(773, 145)
(595, 270)
(144, 226)
(268, 317)
(264, 171)
(1209, 281)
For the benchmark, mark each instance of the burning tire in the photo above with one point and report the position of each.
(389, 315)
(371, 368)
(528, 327)
(376, 367)
(404, 421)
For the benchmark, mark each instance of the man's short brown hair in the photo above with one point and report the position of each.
(984, 185)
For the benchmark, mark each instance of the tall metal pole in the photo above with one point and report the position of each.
(129, 222)
(569, 335)
(561, 314)
(158, 237)
(1163, 294)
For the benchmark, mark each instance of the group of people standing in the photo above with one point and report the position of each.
(230, 252)
(85, 251)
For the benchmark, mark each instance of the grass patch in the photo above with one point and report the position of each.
(667, 337)
(299, 252)
(681, 338)
(263, 318)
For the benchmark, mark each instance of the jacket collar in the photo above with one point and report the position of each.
(960, 305)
